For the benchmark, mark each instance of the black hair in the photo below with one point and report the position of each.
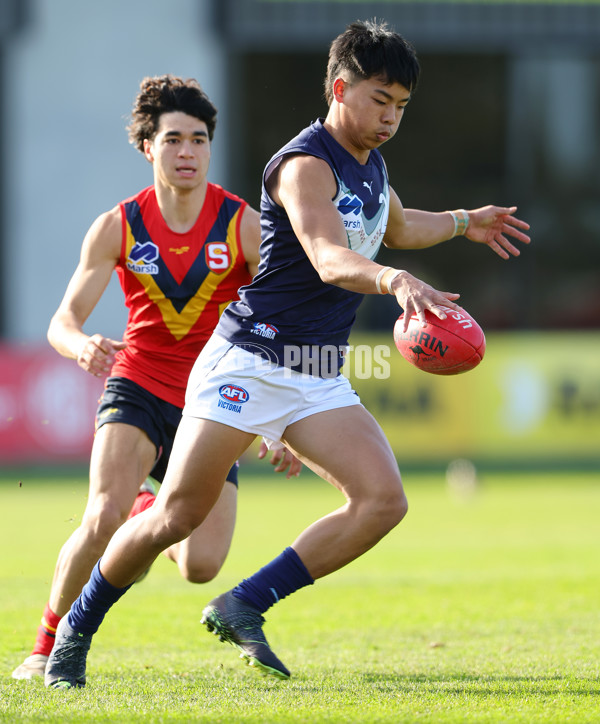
(167, 94)
(367, 49)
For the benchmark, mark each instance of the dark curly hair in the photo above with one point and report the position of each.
(368, 49)
(166, 94)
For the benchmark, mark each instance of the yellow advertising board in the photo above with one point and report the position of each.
(535, 398)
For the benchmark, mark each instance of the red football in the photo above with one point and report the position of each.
(444, 346)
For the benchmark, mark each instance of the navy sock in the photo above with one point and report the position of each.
(92, 604)
(282, 576)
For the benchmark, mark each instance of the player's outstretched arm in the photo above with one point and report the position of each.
(490, 225)
(99, 254)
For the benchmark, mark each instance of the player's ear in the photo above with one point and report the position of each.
(148, 150)
(339, 85)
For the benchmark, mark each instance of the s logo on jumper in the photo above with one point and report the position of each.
(218, 256)
(141, 258)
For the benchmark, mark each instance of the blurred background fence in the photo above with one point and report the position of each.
(507, 112)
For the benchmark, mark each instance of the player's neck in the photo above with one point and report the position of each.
(334, 126)
(179, 207)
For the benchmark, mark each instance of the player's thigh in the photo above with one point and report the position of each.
(203, 453)
(122, 457)
(348, 448)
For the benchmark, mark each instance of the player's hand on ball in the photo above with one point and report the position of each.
(415, 296)
(446, 346)
(490, 225)
(97, 354)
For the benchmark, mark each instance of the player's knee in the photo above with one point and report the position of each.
(199, 571)
(399, 506)
(102, 520)
(392, 506)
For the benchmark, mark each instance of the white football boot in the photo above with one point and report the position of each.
(34, 665)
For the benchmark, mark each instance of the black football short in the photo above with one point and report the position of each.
(127, 402)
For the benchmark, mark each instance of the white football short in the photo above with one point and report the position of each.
(237, 388)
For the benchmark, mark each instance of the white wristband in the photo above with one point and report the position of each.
(380, 276)
(394, 275)
(461, 222)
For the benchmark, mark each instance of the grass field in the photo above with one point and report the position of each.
(482, 608)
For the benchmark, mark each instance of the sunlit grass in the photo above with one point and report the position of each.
(482, 606)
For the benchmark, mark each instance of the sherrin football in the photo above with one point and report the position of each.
(443, 346)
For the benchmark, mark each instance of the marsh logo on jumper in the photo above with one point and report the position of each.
(141, 258)
(232, 397)
(263, 329)
(350, 208)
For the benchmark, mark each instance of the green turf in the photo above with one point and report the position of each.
(479, 608)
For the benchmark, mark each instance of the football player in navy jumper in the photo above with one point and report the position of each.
(272, 366)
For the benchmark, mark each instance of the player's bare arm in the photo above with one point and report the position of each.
(250, 238)
(305, 187)
(99, 255)
(490, 225)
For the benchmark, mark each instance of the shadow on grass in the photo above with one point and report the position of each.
(485, 685)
